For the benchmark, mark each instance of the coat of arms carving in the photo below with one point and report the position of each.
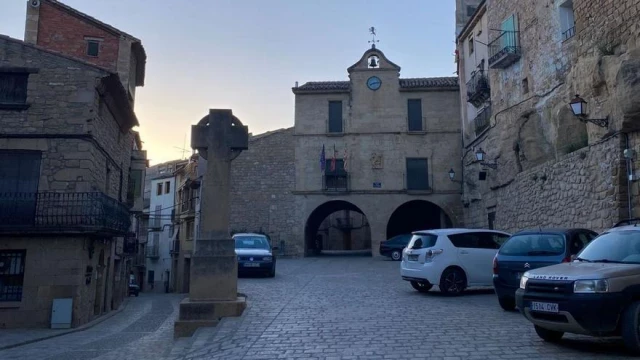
(377, 161)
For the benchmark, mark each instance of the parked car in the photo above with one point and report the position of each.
(532, 249)
(393, 247)
(255, 254)
(596, 294)
(134, 289)
(453, 259)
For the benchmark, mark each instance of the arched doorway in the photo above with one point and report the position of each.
(337, 227)
(416, 215)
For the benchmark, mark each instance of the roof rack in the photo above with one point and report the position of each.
(633, 221)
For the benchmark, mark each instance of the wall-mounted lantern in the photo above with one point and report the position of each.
(480, 155)
(579, 108)
(452, 176)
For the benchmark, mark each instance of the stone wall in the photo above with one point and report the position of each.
(55, 267)
(586, 188)
(262, 179)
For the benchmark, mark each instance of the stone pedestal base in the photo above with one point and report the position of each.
(197, 314)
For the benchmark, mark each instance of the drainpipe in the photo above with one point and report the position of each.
(629, 165)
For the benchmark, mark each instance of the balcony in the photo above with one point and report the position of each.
(335, 182)
(188, 206)
(481, 120)
(56, 212)
(153, 250)
(569, 33)
(478, 90)
(504, 50)
(175, 247)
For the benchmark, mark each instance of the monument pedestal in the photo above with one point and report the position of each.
(213, 291)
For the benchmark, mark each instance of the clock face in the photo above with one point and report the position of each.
(374, 83)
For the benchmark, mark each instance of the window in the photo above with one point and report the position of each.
(151, 277)
(335, 116)
(167, 187)
(93, 47)
(567, 20)
(534, 245)
(491, 217)
(417, 174)
(156, 216)
(19, 180)
(414, 111)
(422, 241)
(135, 182)
(13, 88)
(159, 189)
(335, 179)
(190, 228)
(470, 10)
(470, 42)
(11, 274)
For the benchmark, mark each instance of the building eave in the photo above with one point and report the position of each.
(116, 98)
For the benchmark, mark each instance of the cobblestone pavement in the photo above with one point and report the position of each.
(325, 308)
(143, 330)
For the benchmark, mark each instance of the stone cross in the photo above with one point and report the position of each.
(219, 138)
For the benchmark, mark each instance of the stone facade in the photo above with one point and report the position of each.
(78, 118)
(532, 131)
(377, 139)
(262, 182)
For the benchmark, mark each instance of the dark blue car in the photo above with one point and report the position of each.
(532, 249)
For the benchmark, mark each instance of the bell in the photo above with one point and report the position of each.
(373, 63)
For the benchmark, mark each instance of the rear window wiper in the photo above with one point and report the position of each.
(541, 252)
(585, 260)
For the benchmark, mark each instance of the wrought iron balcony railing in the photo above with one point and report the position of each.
(504, 50)
(481, 120)
(335, 182)
(60, 212)
(478, 88)
(569, 33)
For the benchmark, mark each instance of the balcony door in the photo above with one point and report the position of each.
(19, 178)
(509, 37)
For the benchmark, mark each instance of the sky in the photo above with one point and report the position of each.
(246, 55)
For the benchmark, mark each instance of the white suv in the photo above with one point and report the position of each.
(453, 259)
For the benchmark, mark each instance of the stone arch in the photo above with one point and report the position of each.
(351, 226)
(417, 215)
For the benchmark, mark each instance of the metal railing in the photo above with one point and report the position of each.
(481, 120)
(335, 182)
(63, 212)
(478, 90)
(188, 205)
(505, 49)
(569, 33)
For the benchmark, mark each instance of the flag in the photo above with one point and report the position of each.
(333, 159)
(323, 160)
(345, 158)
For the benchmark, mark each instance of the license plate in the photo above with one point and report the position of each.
(544, 307)
(413, 257)
(251, 265)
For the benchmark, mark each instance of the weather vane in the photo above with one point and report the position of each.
(373, 40)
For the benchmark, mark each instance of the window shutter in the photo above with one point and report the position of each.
(414, 109)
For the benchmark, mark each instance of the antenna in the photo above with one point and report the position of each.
(373, 41)
(183, 149)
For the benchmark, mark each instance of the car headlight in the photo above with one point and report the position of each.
(590, 286)
(267, 258)
(523, 281)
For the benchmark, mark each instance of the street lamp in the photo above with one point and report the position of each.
(480, 155)
(579, 108)
(452, 176)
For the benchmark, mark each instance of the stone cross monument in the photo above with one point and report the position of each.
(219, 138)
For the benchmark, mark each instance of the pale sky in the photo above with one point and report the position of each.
(246, 55)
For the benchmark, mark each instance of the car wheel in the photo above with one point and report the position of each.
(396, 255)
(453, 281)
(548, 335)
(272, 272)
(507, 303)
(423, 287)
(629, 328)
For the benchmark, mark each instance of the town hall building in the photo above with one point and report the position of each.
(367, 159)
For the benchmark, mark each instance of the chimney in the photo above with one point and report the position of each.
(296, 84)
(31, 23)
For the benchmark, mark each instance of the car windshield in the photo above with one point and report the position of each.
(421, 241)
(618, 246)
(534, 245)
(251, 242)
